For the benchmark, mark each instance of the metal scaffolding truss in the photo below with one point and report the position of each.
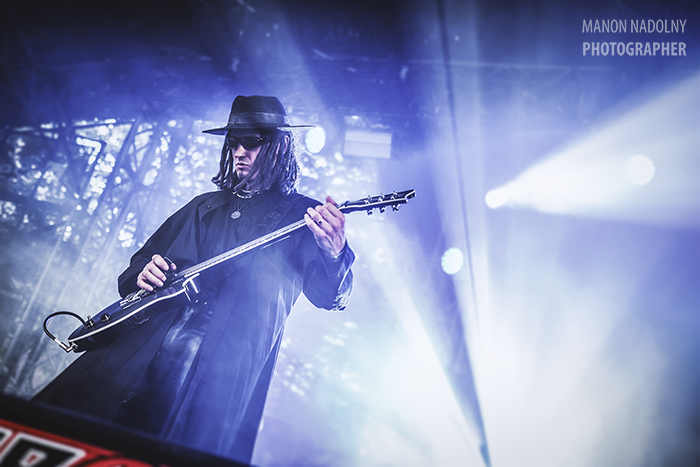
(83, 224)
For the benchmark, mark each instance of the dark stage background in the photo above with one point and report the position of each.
(536, 304)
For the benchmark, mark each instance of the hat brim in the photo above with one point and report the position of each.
(225, 129)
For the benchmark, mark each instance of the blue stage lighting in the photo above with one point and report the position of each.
(496, 198)
(315, 139)
(452, 261)
(640, 170)
(640, 165)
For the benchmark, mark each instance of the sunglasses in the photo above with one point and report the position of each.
(248, 142)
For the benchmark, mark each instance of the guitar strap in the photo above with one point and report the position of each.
(273, 217)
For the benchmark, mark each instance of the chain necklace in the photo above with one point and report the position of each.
(244, 194)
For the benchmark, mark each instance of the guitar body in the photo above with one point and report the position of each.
(124, 315)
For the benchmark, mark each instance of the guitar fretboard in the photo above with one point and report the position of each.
(252, 245)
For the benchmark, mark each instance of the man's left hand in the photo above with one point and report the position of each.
(327, 224)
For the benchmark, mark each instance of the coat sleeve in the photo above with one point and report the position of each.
(327, 281)
(158, 243)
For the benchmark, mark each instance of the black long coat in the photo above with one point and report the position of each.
(219, 402)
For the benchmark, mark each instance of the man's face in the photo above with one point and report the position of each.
(239, 141)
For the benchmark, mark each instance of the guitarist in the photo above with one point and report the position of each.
(198, 373)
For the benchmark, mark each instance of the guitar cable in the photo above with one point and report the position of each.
(63, 345)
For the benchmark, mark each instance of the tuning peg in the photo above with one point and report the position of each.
(382, 209)
(370, 212)
(395, 207)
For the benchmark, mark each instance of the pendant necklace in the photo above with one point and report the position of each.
(237, 211)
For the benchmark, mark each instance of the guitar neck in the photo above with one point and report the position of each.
(238, 251)
(368, 204)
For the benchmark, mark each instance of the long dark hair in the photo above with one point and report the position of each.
(275, 166)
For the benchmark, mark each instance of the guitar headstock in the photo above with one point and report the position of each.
(381, 202)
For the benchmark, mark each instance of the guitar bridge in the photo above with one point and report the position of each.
(191, 290)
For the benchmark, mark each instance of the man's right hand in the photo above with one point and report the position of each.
(153, 273)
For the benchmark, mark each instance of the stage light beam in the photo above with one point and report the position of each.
(640, 167)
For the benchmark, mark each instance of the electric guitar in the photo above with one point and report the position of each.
(136, 308)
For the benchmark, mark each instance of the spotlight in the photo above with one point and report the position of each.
(452, 261)
(640, 170)
(315, 139)
(496, 198)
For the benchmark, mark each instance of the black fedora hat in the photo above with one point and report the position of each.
(256, 112)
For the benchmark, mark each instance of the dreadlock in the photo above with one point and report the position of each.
(275, 166)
